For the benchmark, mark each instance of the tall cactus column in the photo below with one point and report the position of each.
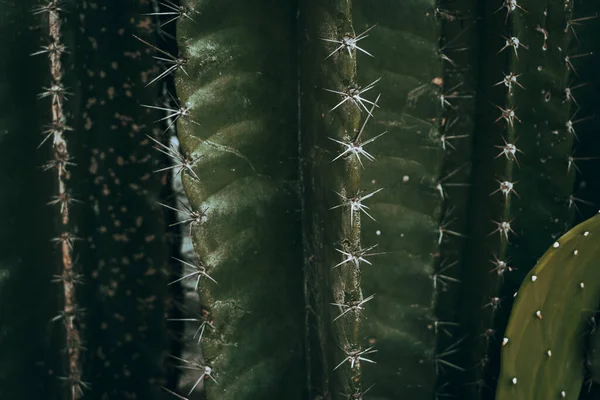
(332, 103)
(61, 163)
(373, 174)
(237, 79)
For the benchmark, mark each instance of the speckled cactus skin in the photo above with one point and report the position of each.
(368, 182)
(543, 355)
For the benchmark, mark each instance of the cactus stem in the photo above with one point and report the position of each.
(57, 93)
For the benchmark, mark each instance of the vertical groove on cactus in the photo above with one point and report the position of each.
(56, 92)
(457, 96)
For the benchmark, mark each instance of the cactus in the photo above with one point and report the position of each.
(366, 184)
(543, 355)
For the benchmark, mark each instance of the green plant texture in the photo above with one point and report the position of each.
(265, 199)
(543, 353)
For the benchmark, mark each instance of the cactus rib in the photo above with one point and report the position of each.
(239, 85)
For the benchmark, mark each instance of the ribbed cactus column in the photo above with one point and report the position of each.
(332, 104)
(238, 82)
(522, 181)
(378, 262)
(60, 164)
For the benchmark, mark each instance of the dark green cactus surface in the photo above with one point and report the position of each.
(265, 199)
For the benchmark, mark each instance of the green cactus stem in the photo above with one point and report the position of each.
(543, 354)
(239, 86)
